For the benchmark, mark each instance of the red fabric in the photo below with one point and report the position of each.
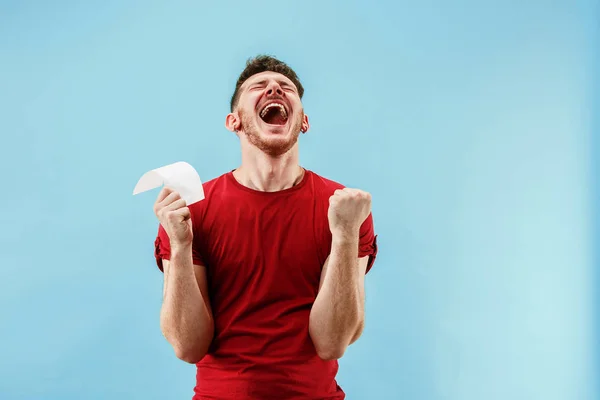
(264, 253)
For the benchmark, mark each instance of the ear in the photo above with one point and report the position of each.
(305, 125)
(232, 122)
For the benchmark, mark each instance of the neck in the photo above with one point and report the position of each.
(262, 172)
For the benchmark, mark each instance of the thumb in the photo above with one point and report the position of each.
(183, 213)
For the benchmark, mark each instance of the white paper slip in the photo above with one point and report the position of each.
(180, 176)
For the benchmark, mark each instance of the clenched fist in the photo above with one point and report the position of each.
(348, 209)
(175, 217)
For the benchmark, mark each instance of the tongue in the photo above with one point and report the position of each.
(274, 117)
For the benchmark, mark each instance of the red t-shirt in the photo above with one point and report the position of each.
(264, 252)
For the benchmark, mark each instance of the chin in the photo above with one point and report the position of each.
(272, 142)
(275, 145)
(274, 139)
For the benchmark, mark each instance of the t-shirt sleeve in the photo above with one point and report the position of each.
(367, 245)
(162, 249)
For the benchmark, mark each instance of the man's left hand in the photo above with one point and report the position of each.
(348, 209)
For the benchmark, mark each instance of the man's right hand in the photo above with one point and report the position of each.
(175, 217)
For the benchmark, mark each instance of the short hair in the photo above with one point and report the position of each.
(263, 63)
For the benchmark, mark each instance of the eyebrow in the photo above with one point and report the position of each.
(264, 81)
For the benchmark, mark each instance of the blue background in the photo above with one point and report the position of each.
(470, 123)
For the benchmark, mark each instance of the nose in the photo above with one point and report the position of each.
(274, 89)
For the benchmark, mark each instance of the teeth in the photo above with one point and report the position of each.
(271, 105)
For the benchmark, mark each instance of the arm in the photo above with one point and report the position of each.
(338, 314)
(337, 317)
(186, 319)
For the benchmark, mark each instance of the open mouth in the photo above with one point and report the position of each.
(274, 114)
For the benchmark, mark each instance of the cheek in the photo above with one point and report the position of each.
(253, 100)
(249, 102)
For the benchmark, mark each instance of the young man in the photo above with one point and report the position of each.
(264, 279)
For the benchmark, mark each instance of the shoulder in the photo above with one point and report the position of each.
(211, 189)
(324, 185)
(215, 184)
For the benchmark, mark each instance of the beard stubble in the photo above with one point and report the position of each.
(273, 146)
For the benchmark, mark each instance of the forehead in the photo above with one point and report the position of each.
(266, 77)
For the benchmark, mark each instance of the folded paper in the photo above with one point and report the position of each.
(180, 176)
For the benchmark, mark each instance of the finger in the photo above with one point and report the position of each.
(163, 194)
(353, 191)
(176, 205)
(173, 196)
(160, 200)
(335, 196)
(358, 193)
(182, 214)
(363, 195)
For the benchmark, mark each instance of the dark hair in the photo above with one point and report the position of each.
(260, 64)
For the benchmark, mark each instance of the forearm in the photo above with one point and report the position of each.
(337, 315)
(186, 321)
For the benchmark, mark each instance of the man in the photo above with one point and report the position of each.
(264, 279)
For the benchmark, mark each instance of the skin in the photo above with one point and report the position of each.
(270, 162)
(186, 318)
